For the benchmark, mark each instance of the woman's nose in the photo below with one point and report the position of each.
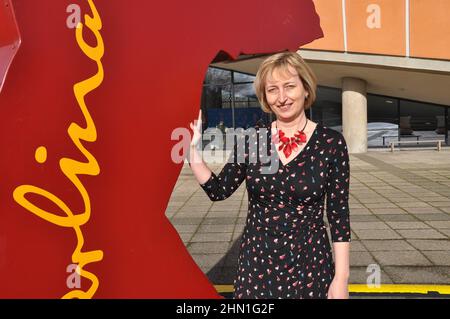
(282, 96)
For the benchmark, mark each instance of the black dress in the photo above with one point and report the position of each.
(285, 250)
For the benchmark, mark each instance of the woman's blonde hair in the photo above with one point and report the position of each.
(282, 60)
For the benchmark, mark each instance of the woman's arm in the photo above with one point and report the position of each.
(342, 260)
(201, 171)
(339, 286)
(221, 186)
(338, 214)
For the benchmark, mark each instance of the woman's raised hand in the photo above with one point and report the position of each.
(196, 127)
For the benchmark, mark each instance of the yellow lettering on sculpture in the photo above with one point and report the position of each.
(72, 168)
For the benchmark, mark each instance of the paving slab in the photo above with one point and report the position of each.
(388, 245)
(399, 212)
(400, 258)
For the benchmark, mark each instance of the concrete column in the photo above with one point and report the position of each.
(354, 114)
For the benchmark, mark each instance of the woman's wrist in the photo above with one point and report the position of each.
(193, 154)
(342, 277)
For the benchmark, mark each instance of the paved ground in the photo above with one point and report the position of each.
(400, 218)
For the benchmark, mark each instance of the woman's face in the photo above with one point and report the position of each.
(285, 93)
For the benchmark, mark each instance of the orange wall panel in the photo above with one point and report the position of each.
(430, 28)
(379, 27)
(376, 26)
(330, 13)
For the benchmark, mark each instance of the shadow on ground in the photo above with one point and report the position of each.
(224, 271)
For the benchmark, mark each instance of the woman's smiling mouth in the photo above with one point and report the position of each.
(285, 107)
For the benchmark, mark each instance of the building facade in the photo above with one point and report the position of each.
(383, 69)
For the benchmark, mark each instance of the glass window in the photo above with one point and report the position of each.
(216, 106)
(245, 96)
(217, 76)
(247, 111)
(382, 118)
(422, 121)
(388, 118)
(327, 109)
(242, 77)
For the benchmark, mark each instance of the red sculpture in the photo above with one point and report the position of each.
(9, 38)
(87, 116)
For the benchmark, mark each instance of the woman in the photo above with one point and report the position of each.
(285, 250)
